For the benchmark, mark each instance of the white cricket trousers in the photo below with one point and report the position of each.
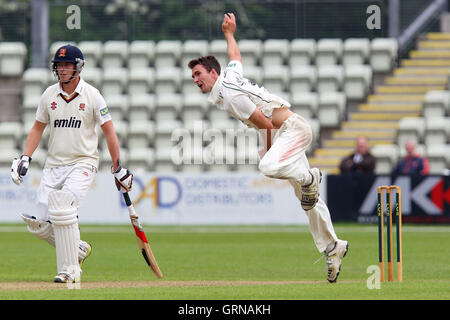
(76, 178)
(286, 159)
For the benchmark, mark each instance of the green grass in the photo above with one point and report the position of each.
(242, 253)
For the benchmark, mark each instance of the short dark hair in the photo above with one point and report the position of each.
(209, 62)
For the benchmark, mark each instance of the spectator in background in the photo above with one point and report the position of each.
(361, 161)
(413, 163)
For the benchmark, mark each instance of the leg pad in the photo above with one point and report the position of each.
(63, 215)
(41, 229)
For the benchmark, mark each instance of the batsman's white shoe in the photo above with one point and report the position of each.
(63, 277)
(310, 192)
(334, 256)
(87, 249)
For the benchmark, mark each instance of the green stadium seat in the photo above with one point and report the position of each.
(7, 155)
(115, 54)
(356, 51)
(383, 54)
(163, 133)
(330, 78)
(386, 156)
(436, 104)
(357, 81)
(275, 52)
(140, 80)
(10, 134)
(142, 106)
(118, 106)
(121, 128)
(29, 106)
(302, 52)
(275, 78)
(141, 54)
(141, 159)
(218, 48)
(410, 128)
(251, 52)
(332, 107)
(140, 134)
(439, 158)
(35, 81)
(303, 79)
(329, 52)
(163, 160)
(192, 49)
(167, 53)
(12, 58)
(194, 109)
(114, 81)
(167, 80)
(437, 130)
(305, 104)
(167, 107)
(93, 76)
(105, 162)
(92, 52)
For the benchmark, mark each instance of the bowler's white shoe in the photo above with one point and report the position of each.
(310, 192)
(334, 256)
(64, 277)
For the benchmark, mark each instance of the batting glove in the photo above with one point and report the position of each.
(123, 179)
(19, 168)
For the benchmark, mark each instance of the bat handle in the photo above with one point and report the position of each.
(127, 199)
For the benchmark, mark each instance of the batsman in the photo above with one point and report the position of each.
(71, 108)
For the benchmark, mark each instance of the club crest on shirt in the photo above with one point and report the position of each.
(82, 106)
(53, 105)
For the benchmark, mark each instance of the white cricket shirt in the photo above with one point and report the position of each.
(240, 97)
(72, 120)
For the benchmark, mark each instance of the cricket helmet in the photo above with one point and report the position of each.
(68, 53)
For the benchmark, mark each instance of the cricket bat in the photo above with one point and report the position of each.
(141, 238)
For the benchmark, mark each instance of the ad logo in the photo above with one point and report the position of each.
(426, 195)
(155, 191)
